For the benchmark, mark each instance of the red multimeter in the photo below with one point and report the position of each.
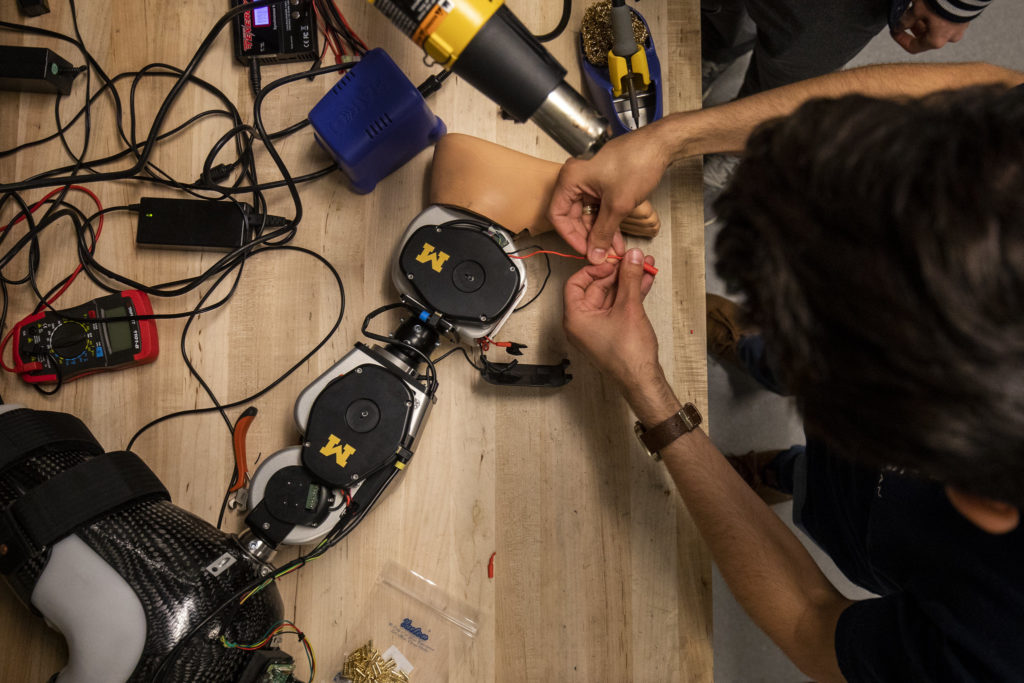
(51, 345)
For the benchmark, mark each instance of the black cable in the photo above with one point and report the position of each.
(562, 23)
(172, 71)
(226, 498)
(57, 372)
(154, 171)
(232, 112)
(167, 289)
(30, 222)
(543, 284)
(268, 143)
(244, 155)
(188, 325)
(86, 137)
(431, 377)
(287, 373)
(334, 22)
(464, 353)
(194, 188)
(3, 314)
(161, 113)
(77, 218)
(88, 87)
(77, 43)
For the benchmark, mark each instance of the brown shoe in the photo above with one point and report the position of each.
(726, 322)
(752, 468)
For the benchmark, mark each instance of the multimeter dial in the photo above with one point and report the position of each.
(72, 340)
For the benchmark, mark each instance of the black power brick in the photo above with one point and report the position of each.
(192, 224)
(33, 8)
(35, 69)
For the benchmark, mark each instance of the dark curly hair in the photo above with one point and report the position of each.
(880, 247)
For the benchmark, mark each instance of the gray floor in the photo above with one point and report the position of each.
(748, 418)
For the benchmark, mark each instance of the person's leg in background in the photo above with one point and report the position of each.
(732, 340)
(784, 471)
(797, 39)
(727, 33)
(791, 39)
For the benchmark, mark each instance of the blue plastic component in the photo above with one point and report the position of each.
(374, 120)
(599, 88)
(424, 316)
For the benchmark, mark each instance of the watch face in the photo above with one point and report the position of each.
(639, 430)
(692, 415)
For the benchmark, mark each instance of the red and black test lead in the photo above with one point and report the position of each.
(648, 268)
(74, 274)
(514, 348)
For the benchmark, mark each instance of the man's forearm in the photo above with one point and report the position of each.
(765, 565)
(725, 128)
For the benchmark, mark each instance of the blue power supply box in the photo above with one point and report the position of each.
(374, 120)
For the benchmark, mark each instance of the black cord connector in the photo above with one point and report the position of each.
(563, 22)
(255, 77)
(433, 83)
(217, 174)
(257, 221)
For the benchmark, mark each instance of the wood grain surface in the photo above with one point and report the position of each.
(599, 574)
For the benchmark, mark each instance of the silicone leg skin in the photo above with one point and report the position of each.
(508, 187)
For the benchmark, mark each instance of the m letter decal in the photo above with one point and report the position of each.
(340, 451)
(436, 258)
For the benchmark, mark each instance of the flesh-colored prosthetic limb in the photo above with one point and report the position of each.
(510, 188)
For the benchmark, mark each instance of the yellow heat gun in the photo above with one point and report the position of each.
(484, 43)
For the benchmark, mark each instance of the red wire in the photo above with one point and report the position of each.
(344, 21)
(485, 343)
(648, 268)
(3, 345)
(99, 229)
(327, 37)
(545, 251)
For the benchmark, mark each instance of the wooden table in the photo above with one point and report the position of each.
(599, 573)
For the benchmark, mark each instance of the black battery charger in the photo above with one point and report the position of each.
(192, 224)
(282, 31)
(35, 69)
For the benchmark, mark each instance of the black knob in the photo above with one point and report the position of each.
(68, 340)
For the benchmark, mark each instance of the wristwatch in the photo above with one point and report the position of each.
(661, 435)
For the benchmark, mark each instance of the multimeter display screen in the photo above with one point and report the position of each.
(120, 333)
(261, 16)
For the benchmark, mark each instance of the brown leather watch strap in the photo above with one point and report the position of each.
(661, 435)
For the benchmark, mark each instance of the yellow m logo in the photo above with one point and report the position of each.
(340, 451)
(436, 258)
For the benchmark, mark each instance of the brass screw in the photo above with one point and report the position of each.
(366, 665)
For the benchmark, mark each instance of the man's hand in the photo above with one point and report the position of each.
(922, 29)
(605, 318)
(619, 177)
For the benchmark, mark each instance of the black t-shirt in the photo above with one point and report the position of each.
(952, 595)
